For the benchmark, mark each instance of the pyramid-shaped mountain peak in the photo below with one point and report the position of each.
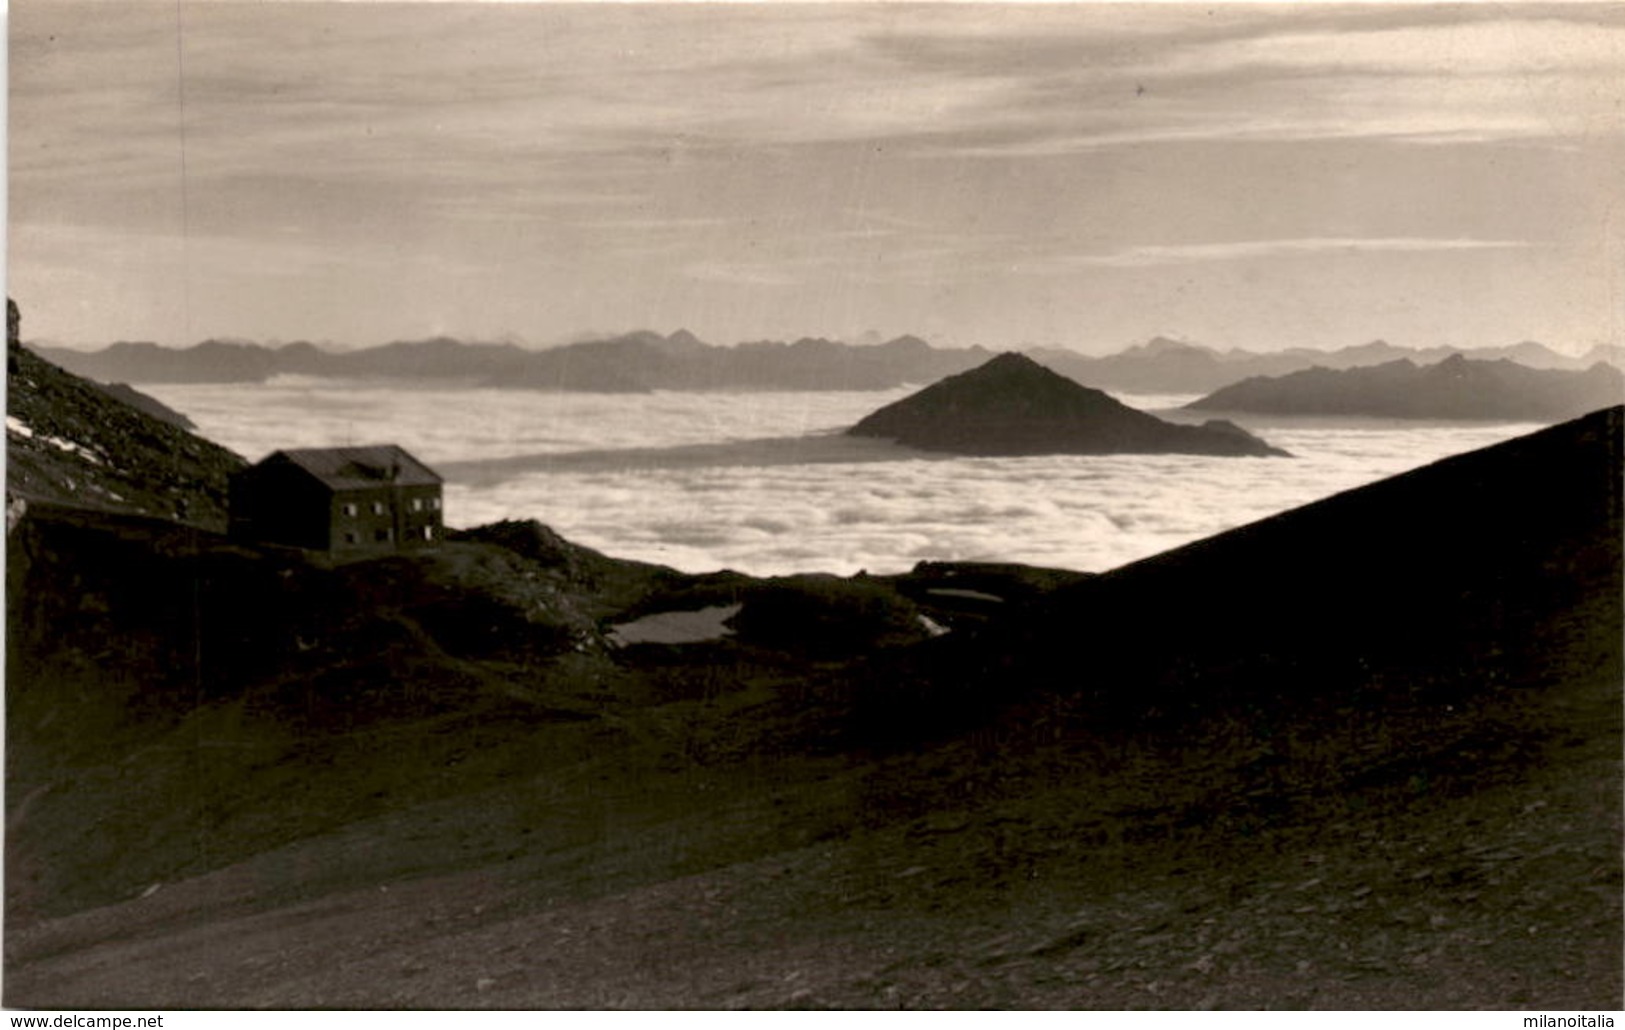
(1012, 405)
(1010, 361)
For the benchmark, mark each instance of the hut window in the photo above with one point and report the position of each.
(417, 504)
(428, 532)
(377, 507)
(382, 535)
(349, 538)
(350, 510)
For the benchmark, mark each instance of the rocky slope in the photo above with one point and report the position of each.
(127, 394)
(1455, 388)
(1013, 406)
(72, 441)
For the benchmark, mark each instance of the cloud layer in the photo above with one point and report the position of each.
(752, 510)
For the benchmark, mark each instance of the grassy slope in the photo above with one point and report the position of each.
(1504, 894)
(1438, 826)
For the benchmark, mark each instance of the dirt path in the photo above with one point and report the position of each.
(1505, 898)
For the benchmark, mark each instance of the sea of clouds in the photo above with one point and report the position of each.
(764, 483)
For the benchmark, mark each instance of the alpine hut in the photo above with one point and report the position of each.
(338, 499)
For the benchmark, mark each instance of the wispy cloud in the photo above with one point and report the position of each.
(904, 164)
(750, 273)
(1580, 41)
(1403, 74)
(1151, 255)
(536, 93)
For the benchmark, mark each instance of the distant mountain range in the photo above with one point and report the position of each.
(1172, 366)
(645, 360)
(1012, 405)
(1454, 388)
(635, 362)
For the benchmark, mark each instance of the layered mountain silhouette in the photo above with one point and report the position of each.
(633, 362)
(1012, 405)
(646, 360)
(1164, 365)
(1456, 388)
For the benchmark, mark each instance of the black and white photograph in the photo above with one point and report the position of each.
(844, 505)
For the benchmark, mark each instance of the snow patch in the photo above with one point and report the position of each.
(24, 430)
(73, 448)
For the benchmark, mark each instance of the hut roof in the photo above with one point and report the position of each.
(359, 468)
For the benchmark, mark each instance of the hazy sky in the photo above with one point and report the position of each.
(1080, 174)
